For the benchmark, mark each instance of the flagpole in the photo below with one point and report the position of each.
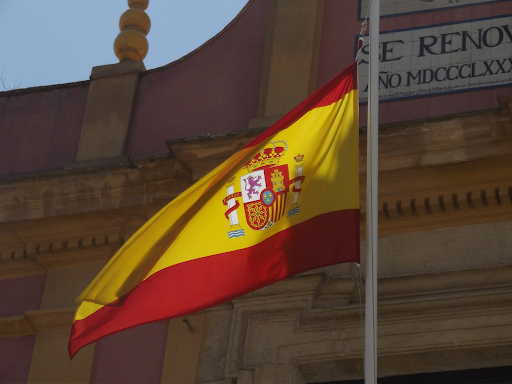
(372, 193)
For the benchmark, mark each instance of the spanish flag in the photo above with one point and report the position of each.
(288, 202)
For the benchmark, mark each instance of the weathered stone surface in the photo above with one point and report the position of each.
(212, 359)
(421, 318)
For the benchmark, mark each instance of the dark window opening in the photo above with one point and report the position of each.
(501, 375)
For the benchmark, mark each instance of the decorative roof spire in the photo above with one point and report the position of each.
(131, 43)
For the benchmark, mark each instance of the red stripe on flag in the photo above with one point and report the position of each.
(194, 285)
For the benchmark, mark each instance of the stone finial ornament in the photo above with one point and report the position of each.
(131, 43)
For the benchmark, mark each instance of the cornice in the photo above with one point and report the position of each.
(33, 321)
(204, 153)
(321, 302)
(92, 245)
(16, 326)
(75, 191)
(414, 199)
(51, 318)
(442, 172)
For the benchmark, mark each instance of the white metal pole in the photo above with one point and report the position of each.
(372, 193)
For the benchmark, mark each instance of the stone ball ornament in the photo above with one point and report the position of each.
(140, 4)
(135, 18)
(131, 43)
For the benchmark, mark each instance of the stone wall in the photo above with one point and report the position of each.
(445, 267)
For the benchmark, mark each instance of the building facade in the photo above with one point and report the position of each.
(84, 165)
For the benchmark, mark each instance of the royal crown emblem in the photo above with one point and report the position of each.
(267, 156)
(264, 190)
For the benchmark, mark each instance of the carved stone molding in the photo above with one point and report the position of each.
(14, 326)
(51, 318)
(421, 318)
(71, 192)
(33, 321)
(204, 153)
(65, 241)
(444, 195)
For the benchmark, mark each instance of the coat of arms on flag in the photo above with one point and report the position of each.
(264, 190)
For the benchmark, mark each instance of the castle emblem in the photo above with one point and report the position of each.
(264, 190)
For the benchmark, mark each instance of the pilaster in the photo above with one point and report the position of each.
(180, 364)
(108, 110)
(291, 55)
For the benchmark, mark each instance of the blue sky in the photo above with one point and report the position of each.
(59, 41)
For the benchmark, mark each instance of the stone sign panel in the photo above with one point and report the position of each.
(437, 59)
(397, 7)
